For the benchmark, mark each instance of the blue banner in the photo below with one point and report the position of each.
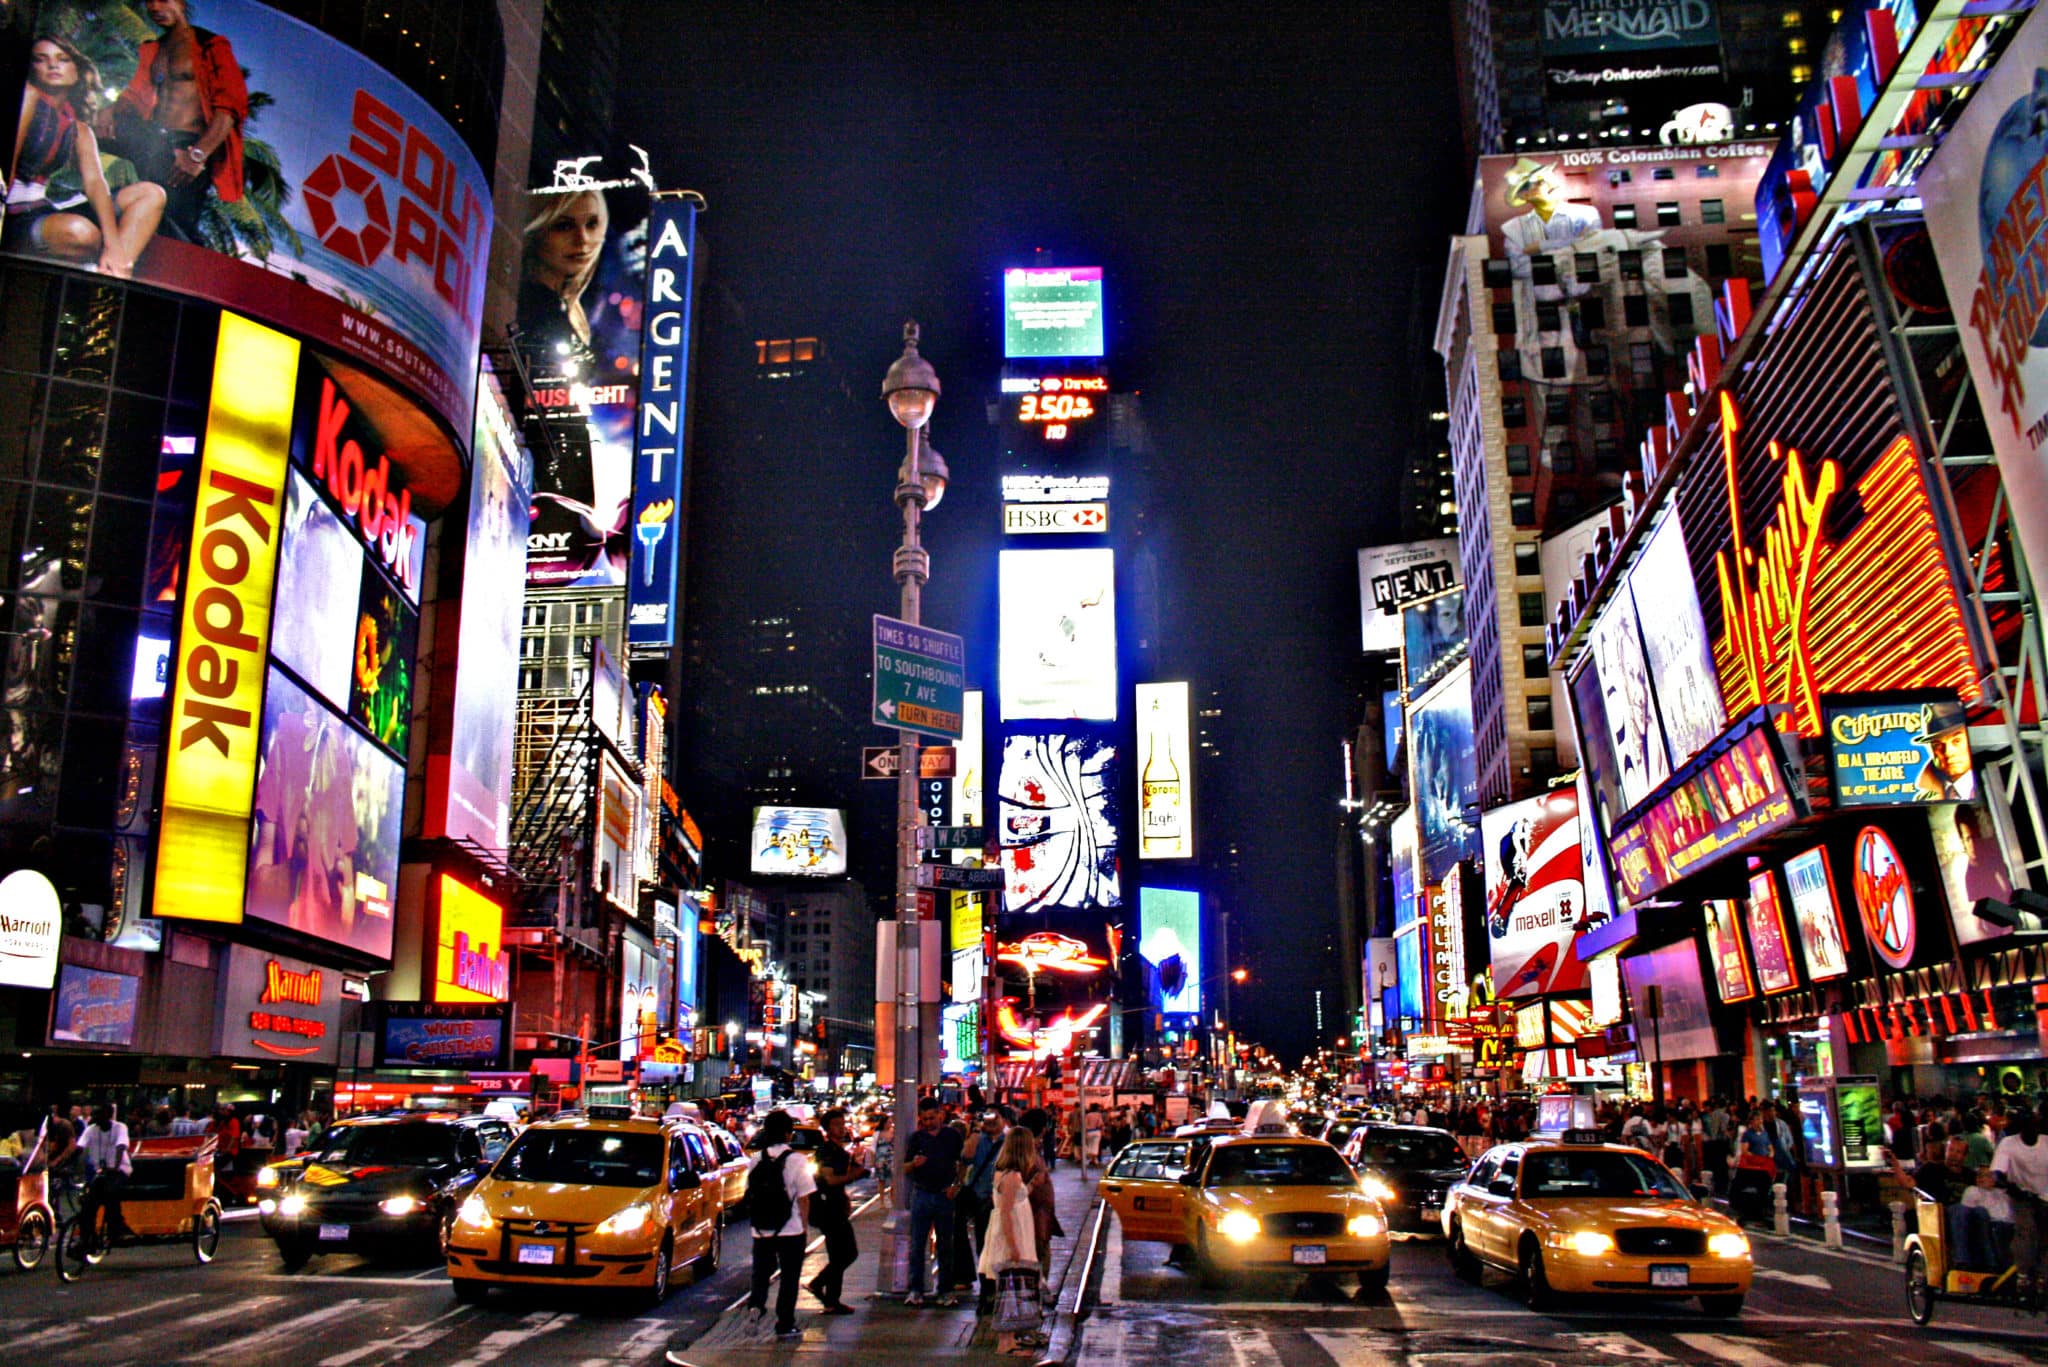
(442, 1042)
(661, 425)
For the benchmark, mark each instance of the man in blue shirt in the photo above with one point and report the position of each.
(932, 1167)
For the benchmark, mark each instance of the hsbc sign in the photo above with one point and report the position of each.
(1056, 517)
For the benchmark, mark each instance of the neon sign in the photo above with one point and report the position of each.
(380, 506)
(1804, 612)
(1047, 951)
(1884, 898)
(1056, 1036)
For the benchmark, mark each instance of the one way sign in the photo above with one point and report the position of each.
(886, 761)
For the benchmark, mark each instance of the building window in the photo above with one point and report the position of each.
(1530, 605)
(1706, 170)
(1511, 364)
(1801, 74)
(1624, 215)
(1586, 265)
(1593, 313)
(1681, 309)
(1631, 264)
(1620, 176)
(1564, 458)
(1607, 454)
(1528, 558)
(1504, 320)
(1796, 46)
(1514, 411)
(1667, 215)
(1522, 508)
(1602, 405)
(1539, 712)
(1635, 310)
(1543, 270)
(1713, 211)
(1543, 758)
(1596, 359)
(1549, 317)
(1566, 501)
(1535, 664)
(1674, 263)
(1557, 406)
(1720, 260)
(1518, 458)
(1661, 173)
(1497, 274)
(1553, 363)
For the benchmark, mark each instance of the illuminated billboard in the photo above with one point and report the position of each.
(322, 849)
(1052, 312)
(471, 963)
(320, 582)
(469, 776)
(1432, 638)
(1170, 940)
(1166, 809)
(656, 552)
(1444, 775)
(970, 770)
(31, 924)
(1725, 955)
(1904, 750)
(614, 865)
(1535, 895)
(337, 203)
(1973, 864)
(807, 841)
(1681, 1027)
(1391, 577)
(225, 626)
(1818, 914)
(1409, 925)
(1771, 947)
(1058, 622)
(1732, 795)
(1056, 816)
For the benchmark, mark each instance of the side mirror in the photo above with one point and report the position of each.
(689, 1181)
(1501, 1186)
(1188, 1179)
(1703, 1191)
(483, 1166)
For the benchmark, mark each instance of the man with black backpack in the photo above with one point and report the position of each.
(779, 1187)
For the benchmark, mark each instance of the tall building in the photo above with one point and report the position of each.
(1552, 73)
(1580, 281)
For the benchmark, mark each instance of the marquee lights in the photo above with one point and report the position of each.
(1055, 1036)
(1046, 951)
(1808, 614)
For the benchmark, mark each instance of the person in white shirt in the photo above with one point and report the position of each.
(2021, 1165)
(779, 1246)
(106, 1146)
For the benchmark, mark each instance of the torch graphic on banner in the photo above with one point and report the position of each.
(653, 525)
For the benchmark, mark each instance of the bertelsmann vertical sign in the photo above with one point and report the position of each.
(660, 427)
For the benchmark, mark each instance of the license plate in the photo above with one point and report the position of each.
(330, 1232)
(1311, 1255)
(1432, 1212)
(545, 1254)
(1678, 1275)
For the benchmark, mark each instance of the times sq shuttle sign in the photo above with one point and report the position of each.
(659, 430)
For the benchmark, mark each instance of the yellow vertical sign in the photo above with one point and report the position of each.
(216, 717)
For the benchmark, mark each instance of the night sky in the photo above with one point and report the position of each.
(1268, 189)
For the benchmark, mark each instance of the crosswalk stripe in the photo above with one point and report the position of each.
(1985, 1352)
(411, 1341)
(1253, 1349)
(1618, 1346)
(1349, 1348)
(1724, 1349)
(496, 1345)
(64, 1333)
(249, 1344)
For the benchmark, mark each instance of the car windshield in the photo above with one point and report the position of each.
(1278, 1165)
(390, 1144)
(1388, 1149)
(600, 1158)
(1151, 1160)
(1596, 1172)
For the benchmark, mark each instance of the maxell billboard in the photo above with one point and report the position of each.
(1391, 576)
(660, 429)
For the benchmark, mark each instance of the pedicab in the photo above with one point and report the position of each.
(1934, 1270)
(167, 1199)
(29, 1224)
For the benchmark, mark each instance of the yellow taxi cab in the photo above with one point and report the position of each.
(731, 1168)
(1143, 1187)
(598, 1202)
(1571, 1214)
(1267, 1199)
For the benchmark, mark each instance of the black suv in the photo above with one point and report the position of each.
(385, 1185)
(1409, 1168)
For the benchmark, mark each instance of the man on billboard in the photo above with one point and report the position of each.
(1551, 224)
(180, 119)
(1947, 775)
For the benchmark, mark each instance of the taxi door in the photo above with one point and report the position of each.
(1143, 1187)
(696, 1208)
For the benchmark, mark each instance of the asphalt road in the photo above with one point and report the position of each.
(1808, 1306)
(154, 1306)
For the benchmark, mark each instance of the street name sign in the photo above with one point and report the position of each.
(951, 837)
(886, 761)
(920, 678)
(958, 878)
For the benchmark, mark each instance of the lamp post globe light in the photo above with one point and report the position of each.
(911, 389)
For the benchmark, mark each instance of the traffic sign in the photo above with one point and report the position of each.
(951, 837)
(886, 761)
(920, 678)
(958, 878)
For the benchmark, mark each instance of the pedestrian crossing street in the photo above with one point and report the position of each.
(1305, 1336)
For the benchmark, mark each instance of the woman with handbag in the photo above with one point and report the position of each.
(1009, 1254)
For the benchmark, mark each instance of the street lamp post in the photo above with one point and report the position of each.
(911, 389)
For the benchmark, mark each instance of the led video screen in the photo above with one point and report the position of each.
(807, 841)
(1054, 312)
(1170, 940)
(1058, 658)
(1057, 821)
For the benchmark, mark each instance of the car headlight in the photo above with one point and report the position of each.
(266, 1206)
(293, 1204)
(267, 1176)
(1728, 1244)
(1589, 1243)
(399, 1205)
(1238, 1227)
(624, 1221)
(1377, 1189)
(473, 1214)
(1365, 1226)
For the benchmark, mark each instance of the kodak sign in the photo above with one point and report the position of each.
(216, 714)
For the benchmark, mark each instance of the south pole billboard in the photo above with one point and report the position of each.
(1982, 193)
(338, 204)
(662, 425)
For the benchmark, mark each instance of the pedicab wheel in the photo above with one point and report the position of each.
(1919, 1295)
(32, 1240)
(206, 1234)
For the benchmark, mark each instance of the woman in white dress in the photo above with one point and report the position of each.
(1009, 1254)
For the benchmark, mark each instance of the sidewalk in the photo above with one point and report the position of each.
(882, 1329)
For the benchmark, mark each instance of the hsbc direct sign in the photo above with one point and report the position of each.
(1081, 518)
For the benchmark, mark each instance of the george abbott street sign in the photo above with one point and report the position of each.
(920, 678)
